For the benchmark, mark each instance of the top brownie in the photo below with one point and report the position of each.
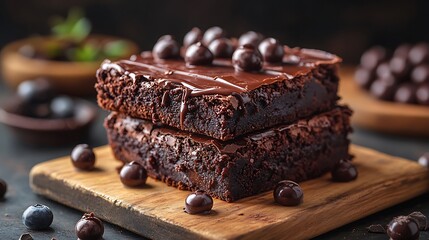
(216, 99)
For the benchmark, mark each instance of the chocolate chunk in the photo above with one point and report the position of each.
(383, 88)
(25, 236)
(133, 174)
(212, 34)
(373, 57)
(89, 227)
(288, 193)
(193, 36)
(421, 220)
(364, 77)
(420, 74)
(198, 202)
(405, 93)
(198, 54)
(250, 37)
(376, 228)
(424, 160)
(403, 227)
(272, 50)
(419, 53)
(221, 48)
(166, 48)
(344, 171)
(247, 58)
(422, 94)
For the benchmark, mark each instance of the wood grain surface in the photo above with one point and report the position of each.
(156, 210)
(382, 116)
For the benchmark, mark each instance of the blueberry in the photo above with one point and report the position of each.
(62, 107)
(35, 91)
(37, 217)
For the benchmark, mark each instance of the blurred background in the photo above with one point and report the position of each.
(346, 28)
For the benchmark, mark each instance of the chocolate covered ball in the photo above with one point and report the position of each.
(344, 171)
(166, 48)
(250, 37)
(420, 73)
(89, 227)
(133, 174)
(193, 36)
(419, 53)
(403, 228)
(222, 48)
(373, 57)
(198, 54)
(272, 50)
(247, 58)
(288, 193)
(402, 50)
(405, 93)
(212, 34)
(422, 94)
(383, 88)
(198, 202)
(364, 77)
(83, 157)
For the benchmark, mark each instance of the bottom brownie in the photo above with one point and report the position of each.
(237, 168)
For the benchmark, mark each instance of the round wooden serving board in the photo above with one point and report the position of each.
(382, 116)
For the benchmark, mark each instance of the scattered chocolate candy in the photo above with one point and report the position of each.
(212, 34)
(166, 48)
(3, 188)
(424, 160)
(403, 227)
(35, 91)
(383, 70)
(250, 37)
(198, 54)
(405, 93)
(272, 50)
(198, 202)
(25, 236)
(247, 58)
(399, 66)
(376, 228)
(420, 74)
(89, 227)
(373, 57)
(221, 48)
(383, 88)
(288, 193)
(37, 217)
(422, 94)
(364, 77)
(83, 157)
(419, 53)
(421, 220)
(193, 36)
(133, 174)
(344, 171)
(62, 107)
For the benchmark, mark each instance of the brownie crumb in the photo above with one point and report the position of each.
(421, 220)
(376, 228)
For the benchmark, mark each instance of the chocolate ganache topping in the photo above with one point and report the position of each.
(220, 77)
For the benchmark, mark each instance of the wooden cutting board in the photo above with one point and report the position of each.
(156, 211)
(382, 116)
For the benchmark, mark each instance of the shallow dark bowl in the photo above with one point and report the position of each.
(49, 132)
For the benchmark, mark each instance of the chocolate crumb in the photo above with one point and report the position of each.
(421, 220)
(376, 228)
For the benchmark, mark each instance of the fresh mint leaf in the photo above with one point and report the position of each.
(115, 49)
(75, 27)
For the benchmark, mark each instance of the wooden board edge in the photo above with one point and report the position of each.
(147, 226)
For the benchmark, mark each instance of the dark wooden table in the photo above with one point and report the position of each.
(16, 161)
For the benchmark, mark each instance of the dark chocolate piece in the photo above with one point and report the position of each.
(403, 228)
(166, 48)
(83, 157)
(216, 100)
(399, 67)
(420, 74)
(193, 36)
(383, 70)
(222, 48)
(376, 228)
(25, 236)
(272, 50)
(198, 202)
(373, 57)
(198, 54)
(89, 227)
(247, 58)
(406, 93)
(422, 94)
(383, 88)
(402, 50)
(421, 220)
(212, 34)
(250, 37)
(364, 77)
(133, 174)
(238, 168)
(344, 171)
(288, 193)
(419, 53)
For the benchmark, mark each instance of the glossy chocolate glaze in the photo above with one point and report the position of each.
(220, 77)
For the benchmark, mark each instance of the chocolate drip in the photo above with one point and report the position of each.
(184, 107)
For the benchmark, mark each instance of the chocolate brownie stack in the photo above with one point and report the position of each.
(233, 127)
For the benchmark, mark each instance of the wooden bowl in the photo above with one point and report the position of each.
(72, 78)
(382, 116)
(49, 132)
